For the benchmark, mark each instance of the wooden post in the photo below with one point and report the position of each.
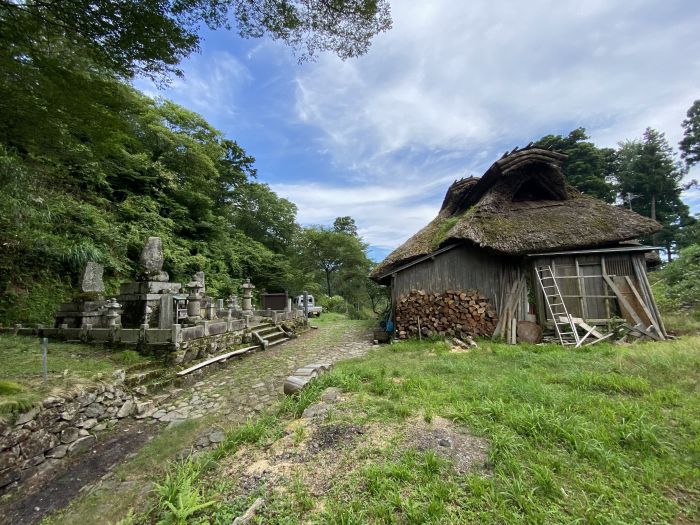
(44, 352)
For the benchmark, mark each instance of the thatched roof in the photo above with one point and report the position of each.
(522, 204)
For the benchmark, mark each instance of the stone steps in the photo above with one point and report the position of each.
(143, 378)
(264, 332)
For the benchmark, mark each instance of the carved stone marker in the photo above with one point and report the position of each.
(152, 260)
(91, 278)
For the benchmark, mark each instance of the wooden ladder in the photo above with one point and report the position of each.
(563, 324)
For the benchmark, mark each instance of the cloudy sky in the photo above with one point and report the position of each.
(441, 96)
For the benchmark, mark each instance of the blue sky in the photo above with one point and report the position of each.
(441, 96)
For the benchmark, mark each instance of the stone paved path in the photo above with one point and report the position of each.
(254, 382)
(232, 393)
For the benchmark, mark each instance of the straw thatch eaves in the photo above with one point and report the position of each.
(522, 204)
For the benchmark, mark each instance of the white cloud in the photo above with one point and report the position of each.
(453, 84)
(210, 85)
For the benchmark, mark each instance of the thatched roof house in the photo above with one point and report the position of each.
(521, 213)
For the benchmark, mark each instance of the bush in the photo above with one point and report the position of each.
(680, 278)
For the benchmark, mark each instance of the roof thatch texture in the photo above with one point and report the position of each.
(521, 205)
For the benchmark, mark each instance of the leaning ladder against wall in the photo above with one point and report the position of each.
(563, 324)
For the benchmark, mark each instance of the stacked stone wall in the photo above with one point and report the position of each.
(59, 427)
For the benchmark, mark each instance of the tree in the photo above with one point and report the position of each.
(262, 215)
(587, 167)
(333, 254)
(690, 144)
(345, 225)
(649, 180)
(151, 37)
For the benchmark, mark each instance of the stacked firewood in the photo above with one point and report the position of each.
(456, 313)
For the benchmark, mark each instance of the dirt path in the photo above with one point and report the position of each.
(52, 493)
(229, 395)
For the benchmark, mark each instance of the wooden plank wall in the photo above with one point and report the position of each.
(462, 268)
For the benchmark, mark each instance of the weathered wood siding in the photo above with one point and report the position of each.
(587, 295)
(462, 268)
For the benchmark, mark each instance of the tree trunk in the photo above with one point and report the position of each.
(328, 282)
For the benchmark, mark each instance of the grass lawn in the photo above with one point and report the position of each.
(69, 365)
(606, 434)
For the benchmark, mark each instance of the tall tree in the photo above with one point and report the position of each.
(587, 167)
(152, 36)
(333, 254)
(345, 225)
(649, 180)
(690, 144)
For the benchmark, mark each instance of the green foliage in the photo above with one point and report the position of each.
(9, 387)
(154, 169)
(690, 144)
(649, 181)
(179, 497)
(682, 278)
(587, 167)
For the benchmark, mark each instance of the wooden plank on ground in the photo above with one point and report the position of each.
(216, 359)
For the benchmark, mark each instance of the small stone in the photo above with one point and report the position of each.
(37, 443)
(317, 410)
(51, 402)
(69, 435)
(82, 444)
(94, 410)
(9, 475)
(99, 428)
(127, 409)
(14, 436)
(88, 423)
(217, 437)
(158, 414)
(7, 459)
(444, 442)
(331, 395)
(143, 407)
(57, 452)
(27, 416)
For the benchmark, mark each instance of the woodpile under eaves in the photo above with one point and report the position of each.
(458, 313)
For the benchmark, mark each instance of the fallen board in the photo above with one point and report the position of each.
(216, 359)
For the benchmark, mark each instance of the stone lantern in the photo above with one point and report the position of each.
(113, 315)
(247, 297)
(194, 308)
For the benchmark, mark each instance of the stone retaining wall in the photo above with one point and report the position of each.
(57, 427)
(204, 346)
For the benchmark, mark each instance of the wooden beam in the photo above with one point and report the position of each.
(216, 359)
(644, 307)
(624, 304)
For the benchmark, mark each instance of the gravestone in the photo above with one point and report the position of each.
(152, 260)
(91, 278)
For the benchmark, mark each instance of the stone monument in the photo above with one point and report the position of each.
(88, 307)
(137, 297)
